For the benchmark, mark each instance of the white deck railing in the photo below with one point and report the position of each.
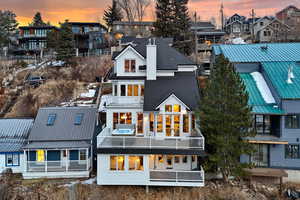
(106, 140)
(177, 176)
(58, 166)
(124, 100)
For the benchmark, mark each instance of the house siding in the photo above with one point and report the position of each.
(15, 169)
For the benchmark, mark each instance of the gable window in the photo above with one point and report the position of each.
(159, 123)
(168, 108)
(186, 126)
(292, 151)
(51, 119)
(78, 118)
(261, 23)
(129, 65)
(177, 108)
(12, 159)
(117, 163)
(292, 121)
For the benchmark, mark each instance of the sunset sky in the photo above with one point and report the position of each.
(92, 10)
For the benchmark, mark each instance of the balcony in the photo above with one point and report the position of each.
(177, 176)
(105, 140)
(124, 100)
(58, 166)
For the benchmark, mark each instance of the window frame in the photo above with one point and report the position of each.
(84, 153)
(286, 121)
(51, 119)
(129, 65)
(135, 164)
(291, 154)
(13, 154)
(78, 119)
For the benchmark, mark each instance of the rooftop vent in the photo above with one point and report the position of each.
(290, 76)
(152, 41)
(264, 48)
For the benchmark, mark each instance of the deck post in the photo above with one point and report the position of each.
(26, 161)
(87, 159)
(68, 159)
(46, 162)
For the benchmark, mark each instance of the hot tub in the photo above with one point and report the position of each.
(121, 132)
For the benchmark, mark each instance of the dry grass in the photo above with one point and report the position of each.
(52, 93)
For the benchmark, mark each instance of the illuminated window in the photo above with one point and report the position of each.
(129, 90)
(115, 120)
(168, 125)
(151, 122)
(123, 118)
(142, 90)
(117, 163)
(177, 108)
(177, 159)
(176, 125)
(140, 124)
(136, 90)
(186, 123)
(160, 159)
(159, 123)
(40, 155)
(168, 108)
(136, 163)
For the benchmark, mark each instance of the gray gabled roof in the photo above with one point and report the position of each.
(13, 134)
(168, 58)
(183, 85)
(64, 128)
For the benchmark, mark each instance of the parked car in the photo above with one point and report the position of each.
(35, 80)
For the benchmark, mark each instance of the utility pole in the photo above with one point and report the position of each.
(252, 25)
(222, 16)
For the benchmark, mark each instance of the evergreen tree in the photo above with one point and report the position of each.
(173, 21)
(37, 20)
(65, 44)
(52, 39)
(225, 120)
(113, 13)
(164, 25)
(8, 25)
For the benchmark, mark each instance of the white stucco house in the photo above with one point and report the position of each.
(13, 135)
(151, 136)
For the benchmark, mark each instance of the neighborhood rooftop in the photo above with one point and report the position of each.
(13, 134)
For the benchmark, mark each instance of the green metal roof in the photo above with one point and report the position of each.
(277, 72)
(280, 52)
(256, 100)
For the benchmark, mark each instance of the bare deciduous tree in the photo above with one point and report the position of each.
(134, 10)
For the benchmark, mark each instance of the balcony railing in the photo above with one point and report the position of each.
(177, 176)
(58, 166)
(120, 100)
(106, 140)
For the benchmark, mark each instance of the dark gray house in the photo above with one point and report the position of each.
(61, 143)
(271, 74)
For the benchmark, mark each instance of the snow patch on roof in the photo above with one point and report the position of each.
(263, 87)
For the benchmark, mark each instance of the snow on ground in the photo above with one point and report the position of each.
(263, 87)
(89, 94)
(238, 41)
(85, 182)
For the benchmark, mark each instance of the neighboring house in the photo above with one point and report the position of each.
(274, 31)
(236, 25)
(151, 135)
(137, 29)
(271, 74)
(32, 39)
(258, 28)
(13, 135)
(61, 143)
(89, 37)
(291, 17)
(207, 35)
